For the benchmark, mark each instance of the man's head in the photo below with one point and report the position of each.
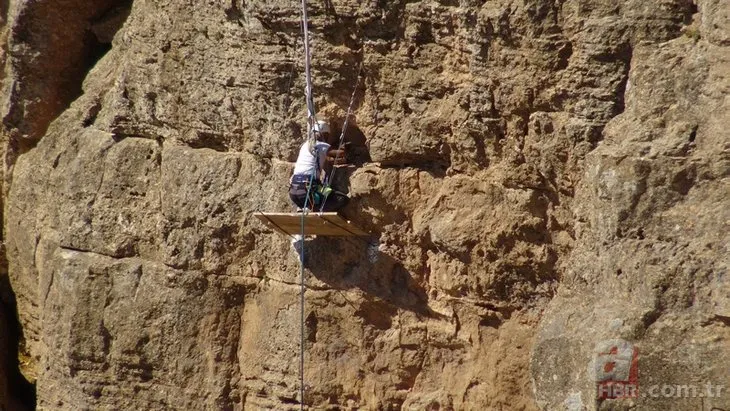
(321, 130)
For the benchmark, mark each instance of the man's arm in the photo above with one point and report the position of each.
(323, 161)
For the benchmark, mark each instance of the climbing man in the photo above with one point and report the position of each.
(310, 169)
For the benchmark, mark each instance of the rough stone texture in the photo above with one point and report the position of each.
(539, 176)
(5, 353)
(650, 259)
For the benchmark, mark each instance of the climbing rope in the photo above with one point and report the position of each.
(302, 288)
(309, 95)
(342, 132)
(307, 62)
(311, 120)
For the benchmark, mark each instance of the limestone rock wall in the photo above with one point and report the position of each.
(650, 265)
(539, 176)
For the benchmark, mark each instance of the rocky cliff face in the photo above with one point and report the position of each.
(540, 177)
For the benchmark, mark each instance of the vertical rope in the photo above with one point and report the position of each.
(342, 133)
(301, 312)
(310, 136)
(308, 72)
(302, 288)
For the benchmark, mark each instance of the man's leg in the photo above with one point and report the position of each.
(298, 200)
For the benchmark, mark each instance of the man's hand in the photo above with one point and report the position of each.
(337, 161)
(336, 156)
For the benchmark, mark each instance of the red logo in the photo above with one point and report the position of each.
(616, 368)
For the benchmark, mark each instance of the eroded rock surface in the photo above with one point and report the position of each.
(650, 262)
(539, 176)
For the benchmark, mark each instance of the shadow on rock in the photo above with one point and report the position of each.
(347, 263)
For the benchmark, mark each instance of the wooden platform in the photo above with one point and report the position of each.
(324, 224)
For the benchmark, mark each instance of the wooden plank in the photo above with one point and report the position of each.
(344, 224)
(324, 224)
